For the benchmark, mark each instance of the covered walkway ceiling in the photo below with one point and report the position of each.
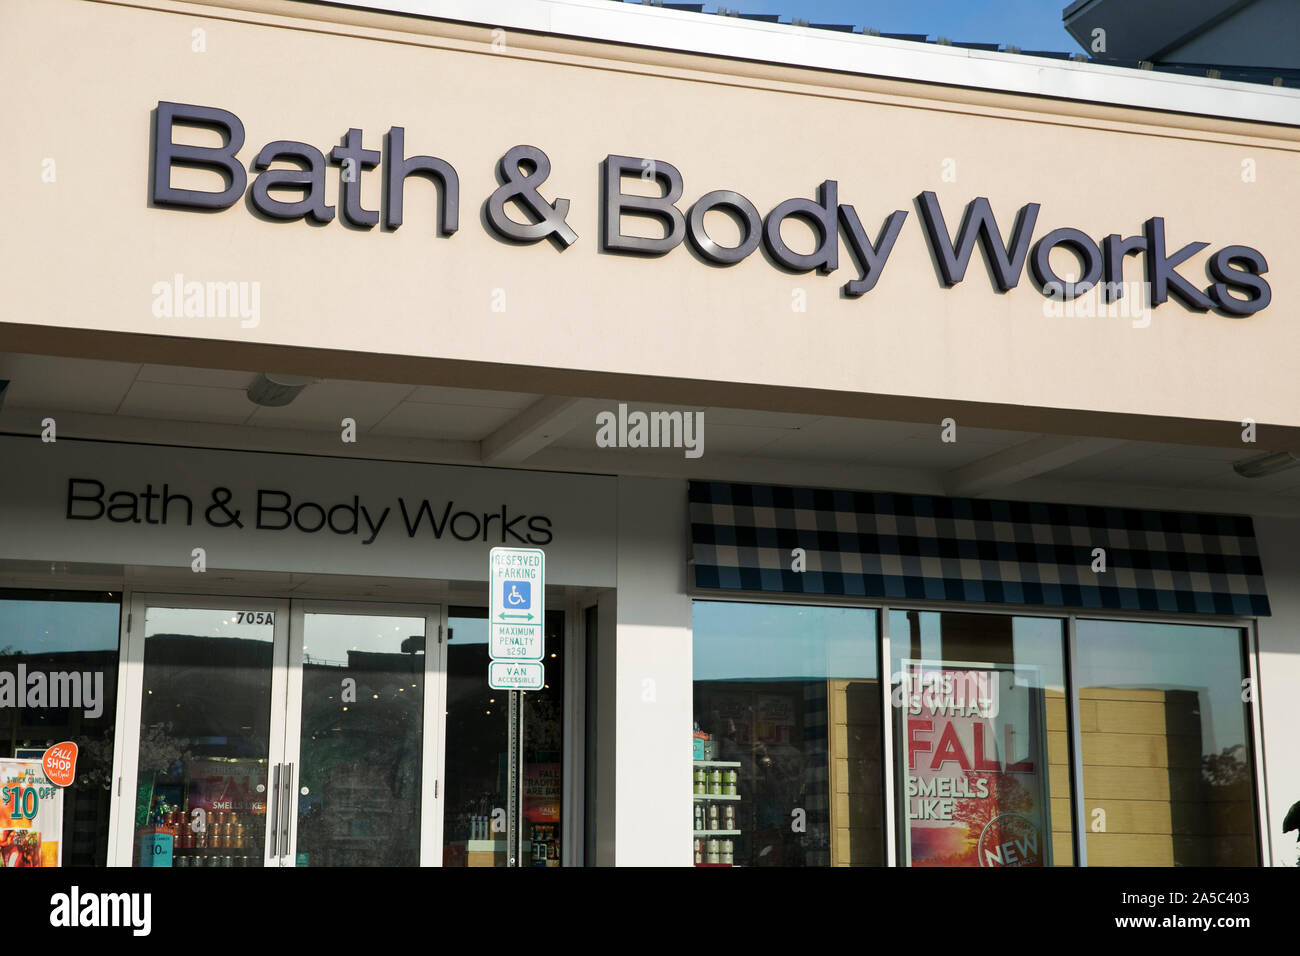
(173, 405)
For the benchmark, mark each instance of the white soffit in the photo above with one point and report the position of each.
(713, 35)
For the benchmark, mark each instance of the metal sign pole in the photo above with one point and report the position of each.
(514, 798)
(517, 589)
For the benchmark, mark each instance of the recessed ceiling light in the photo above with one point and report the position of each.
(1269, 463)
(275, 390)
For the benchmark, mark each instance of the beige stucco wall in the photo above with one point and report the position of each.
(85, 251)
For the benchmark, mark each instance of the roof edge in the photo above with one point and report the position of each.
(735, 38)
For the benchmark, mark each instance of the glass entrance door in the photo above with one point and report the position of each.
(362, 732)
(199, 766)
(278, 733)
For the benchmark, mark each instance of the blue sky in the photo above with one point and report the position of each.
(1029, 24)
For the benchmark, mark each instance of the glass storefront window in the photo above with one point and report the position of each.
(981, 740)
(1166, 745)
(787, 750)
(70, 638)
(477, 748)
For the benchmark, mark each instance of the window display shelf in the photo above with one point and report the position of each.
(715, 846)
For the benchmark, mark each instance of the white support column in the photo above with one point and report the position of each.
(1034, 457)
(654, 672)
(1279, 675)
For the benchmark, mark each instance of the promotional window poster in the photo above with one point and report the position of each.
(542, 792)
(974, 779)
(31, 816)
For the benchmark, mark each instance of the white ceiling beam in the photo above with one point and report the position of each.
(1019, 462)
(537, 426)
(298, 441)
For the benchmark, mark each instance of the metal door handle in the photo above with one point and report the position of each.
(287, 779)
(275, 806)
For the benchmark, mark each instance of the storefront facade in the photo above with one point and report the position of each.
(918, 564)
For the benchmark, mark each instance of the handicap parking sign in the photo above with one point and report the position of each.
(518, 589)
(517, 595)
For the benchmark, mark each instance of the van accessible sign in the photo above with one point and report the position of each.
(516, 675)
(1236, 287)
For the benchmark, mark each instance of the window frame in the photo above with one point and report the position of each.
(1247, 626)
(573, 721)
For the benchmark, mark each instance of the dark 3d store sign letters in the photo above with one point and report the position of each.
(523, 170)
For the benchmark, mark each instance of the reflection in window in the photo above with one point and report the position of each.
(72, 638)
(787, 765)
(981, 740)
(478, 729)
(205, 729)
(1166, 745)
(362, 713)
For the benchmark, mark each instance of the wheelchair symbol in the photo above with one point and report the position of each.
(518, 594)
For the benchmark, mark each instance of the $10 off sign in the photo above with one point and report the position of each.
(60, 763)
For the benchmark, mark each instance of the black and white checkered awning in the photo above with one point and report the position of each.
(919, 547)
